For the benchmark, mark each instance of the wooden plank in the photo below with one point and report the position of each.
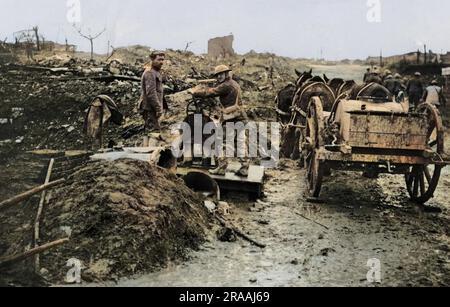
(17, 258)
(388, 131)
(367, 158)
(39, 214)
(21, 197)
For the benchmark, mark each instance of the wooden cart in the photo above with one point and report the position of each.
(368, 139)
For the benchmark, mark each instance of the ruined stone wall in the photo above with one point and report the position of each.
(221, 47)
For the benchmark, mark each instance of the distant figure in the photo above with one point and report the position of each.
(415, 90)
(394, 84)
(386, 73)
(29, 51)
(152, 99)
(243, 62)
(401, 84)
(389, 83)
(366, 75)
(434, 94)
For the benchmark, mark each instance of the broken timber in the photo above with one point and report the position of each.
(224, 223)
(35, 251)
(39, 214)
(19, 198)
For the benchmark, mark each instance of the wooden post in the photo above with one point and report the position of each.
(17, 258)
(39, 214)
(19, 198)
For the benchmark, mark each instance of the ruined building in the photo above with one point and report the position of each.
(221, 47)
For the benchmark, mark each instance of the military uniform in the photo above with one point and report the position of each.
(151, 102)
(434, 95)
(415, 92)
(229, 93)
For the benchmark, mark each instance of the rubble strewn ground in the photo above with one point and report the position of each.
(122, 218)
(327, 244)
(126, 219)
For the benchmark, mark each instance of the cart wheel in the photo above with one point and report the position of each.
(313, 142)
(422, 180)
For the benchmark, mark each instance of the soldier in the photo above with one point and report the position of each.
(394, 84)
(389, 83)
(151, 102)
(434, 94)
(366, 75)
(229, 93)
(415, 90)
(386, 73)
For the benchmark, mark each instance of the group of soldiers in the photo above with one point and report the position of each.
(152, 99)
(414, 88)
(228, 91)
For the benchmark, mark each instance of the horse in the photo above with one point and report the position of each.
(292, 103)
(284, 98)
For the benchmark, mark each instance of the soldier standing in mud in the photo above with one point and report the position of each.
(229, 93)
(151, 102)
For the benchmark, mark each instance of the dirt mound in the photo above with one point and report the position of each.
(123, 218)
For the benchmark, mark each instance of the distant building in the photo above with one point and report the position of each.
(221, 47)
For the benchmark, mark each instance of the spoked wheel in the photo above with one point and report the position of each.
(422, 180)
(313, 141)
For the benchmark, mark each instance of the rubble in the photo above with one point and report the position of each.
(127, 217)
(124, 218)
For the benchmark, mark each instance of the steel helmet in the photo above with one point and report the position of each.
(220, 69)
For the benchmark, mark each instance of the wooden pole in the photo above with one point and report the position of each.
(39, 214)
(225, 223)
(19, 198)
(17, 258)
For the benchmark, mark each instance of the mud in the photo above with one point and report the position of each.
(326, 244)
(360, 219)
(122, 218)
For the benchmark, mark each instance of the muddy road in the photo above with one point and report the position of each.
(325, 244)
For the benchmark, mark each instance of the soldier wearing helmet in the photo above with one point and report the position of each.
(386, 74)
(229, 93)
(434, 94)
(227, 90)
(415, 90)
(394, 84)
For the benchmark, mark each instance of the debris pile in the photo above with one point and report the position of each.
(122, 218)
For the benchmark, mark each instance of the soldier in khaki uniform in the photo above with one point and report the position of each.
(151, 102)
(229, 93)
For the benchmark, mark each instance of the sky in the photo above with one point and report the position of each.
(333, 29)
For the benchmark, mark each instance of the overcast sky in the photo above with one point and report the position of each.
(295, 28)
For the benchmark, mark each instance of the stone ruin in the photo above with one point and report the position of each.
(221, 47)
